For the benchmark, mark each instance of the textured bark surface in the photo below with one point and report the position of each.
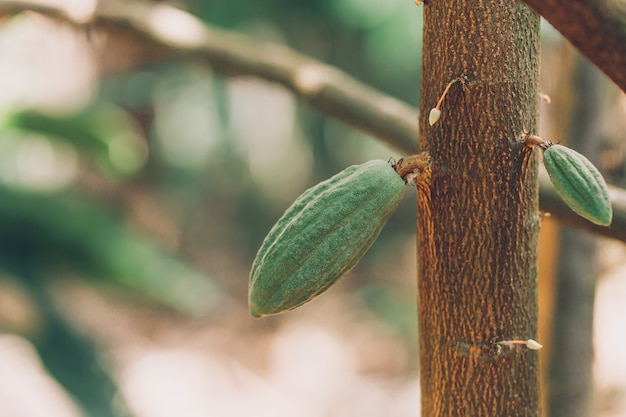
(596, 27)
(478, 222)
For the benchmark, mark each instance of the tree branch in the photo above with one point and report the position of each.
(182, 34)
(596, 27)
(550, 202)
(324, 87)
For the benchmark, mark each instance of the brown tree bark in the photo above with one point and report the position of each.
(596, 27)
(478, 221)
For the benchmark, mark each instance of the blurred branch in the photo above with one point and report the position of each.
(550, 202)
(596, 27)
(323, 86)
(180, 33)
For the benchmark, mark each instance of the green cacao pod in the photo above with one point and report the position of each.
(579, 184)
(322, 236)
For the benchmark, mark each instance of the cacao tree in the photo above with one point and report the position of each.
(478, 222)
(478, 193)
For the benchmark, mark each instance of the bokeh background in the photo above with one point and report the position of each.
(135, 189)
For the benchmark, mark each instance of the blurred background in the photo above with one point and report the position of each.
(135, 189)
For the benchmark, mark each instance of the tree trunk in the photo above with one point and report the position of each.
(570, 378)
(478, 221)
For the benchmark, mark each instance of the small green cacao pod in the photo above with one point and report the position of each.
(578, 183)
(322, 236)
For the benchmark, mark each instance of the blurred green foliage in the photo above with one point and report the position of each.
(378, 43)
(62, 231)
(101, 131)
(217, 160)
